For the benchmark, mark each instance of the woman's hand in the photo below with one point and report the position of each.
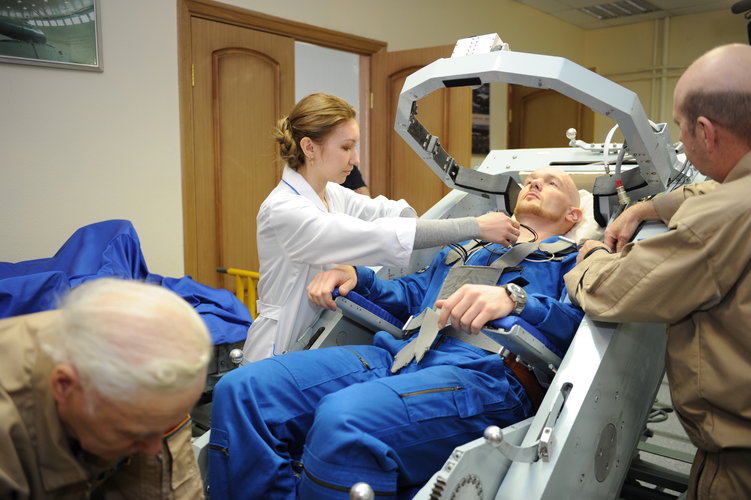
(472, 306)
(323, 284)
(498, 227)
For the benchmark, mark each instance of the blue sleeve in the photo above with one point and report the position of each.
(552, 312)
(557, 319)
(406, 295)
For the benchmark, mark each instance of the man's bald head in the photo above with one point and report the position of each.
(549, 199)
(718, 86)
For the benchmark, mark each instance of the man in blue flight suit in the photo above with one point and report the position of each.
(310, 424)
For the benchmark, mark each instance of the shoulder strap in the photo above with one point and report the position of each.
(516, 253)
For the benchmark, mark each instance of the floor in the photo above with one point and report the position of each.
(668, 448)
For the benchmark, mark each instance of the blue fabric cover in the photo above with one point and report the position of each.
(111, 249)
(370, 306)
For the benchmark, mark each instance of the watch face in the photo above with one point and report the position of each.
(518, 295)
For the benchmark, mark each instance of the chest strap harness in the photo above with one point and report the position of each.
(427, 320)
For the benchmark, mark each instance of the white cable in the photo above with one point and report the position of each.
(606, 148)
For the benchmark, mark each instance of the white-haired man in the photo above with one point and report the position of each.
(94, 396)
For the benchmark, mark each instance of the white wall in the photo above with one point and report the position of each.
(320, 69)
(78, 147)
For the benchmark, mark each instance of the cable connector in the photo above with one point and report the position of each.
(623, 197)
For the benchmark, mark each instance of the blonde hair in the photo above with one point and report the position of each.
(315, 116)
(124, 337)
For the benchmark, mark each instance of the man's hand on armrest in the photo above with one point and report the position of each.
(622, 229)
(323, 284)
(472, 306)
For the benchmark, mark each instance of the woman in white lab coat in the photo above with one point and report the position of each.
(309, 223)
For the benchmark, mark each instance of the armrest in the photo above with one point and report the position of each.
(529, 345)
(509, 321)
(357, 308)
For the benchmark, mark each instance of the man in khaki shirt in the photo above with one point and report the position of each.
(94, 396)
(697, 276)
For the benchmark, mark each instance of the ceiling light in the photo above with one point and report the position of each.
(623, 8)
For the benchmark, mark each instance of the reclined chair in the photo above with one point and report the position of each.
(582, 440)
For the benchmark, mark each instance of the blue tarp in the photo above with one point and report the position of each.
(111, 248)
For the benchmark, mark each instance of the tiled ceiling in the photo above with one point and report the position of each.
(583, 13)
(42, 9)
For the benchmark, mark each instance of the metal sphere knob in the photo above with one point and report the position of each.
(493, 435)
(571, 134)
(236, 356)
(361, 491)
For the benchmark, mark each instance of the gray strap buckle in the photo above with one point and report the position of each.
(417, 348)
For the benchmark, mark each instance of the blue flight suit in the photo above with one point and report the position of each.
(310, 424)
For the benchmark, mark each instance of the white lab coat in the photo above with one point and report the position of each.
(298, 238)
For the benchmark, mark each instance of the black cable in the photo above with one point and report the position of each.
(492, 251)
(460, 250)
(534, 233)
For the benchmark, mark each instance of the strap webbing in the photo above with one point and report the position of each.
(516, 253)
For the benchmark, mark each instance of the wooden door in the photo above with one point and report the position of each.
(396, 171)
(243, 82)
(236, 79)
(540, 118)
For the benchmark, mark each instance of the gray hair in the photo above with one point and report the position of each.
(126, 336)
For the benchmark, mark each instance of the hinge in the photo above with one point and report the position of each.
(371, 100)
(192, 75)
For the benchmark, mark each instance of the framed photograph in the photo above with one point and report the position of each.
(58, 33)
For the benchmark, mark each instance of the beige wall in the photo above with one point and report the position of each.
(425, 23)
(649, 57)
(78, 147)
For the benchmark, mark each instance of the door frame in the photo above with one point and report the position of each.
(214, 11)
(456, 135)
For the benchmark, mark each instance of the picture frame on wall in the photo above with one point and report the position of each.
(54, 33)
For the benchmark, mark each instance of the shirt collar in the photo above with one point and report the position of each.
(301, 186)
(741, 169)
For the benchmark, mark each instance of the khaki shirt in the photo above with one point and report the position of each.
(39, 460)
(696, 278)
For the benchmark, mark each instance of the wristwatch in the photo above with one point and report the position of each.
(518, 295)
